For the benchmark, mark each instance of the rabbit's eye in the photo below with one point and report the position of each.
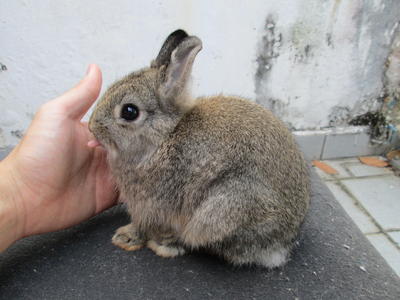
(129, 112)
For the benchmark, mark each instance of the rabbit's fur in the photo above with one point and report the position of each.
(220, 173)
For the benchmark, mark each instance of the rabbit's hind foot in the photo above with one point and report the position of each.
(126, 238)
(165, 250)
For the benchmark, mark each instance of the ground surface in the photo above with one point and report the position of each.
(333, 260)
(371, 197)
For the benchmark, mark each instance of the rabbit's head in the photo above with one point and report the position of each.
(139, 111)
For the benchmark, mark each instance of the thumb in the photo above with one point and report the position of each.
(78, 100)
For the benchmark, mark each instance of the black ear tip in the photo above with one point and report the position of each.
(179, 34)
(172, 41)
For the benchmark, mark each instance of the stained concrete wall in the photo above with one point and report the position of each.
(391, 107)
(314, 63)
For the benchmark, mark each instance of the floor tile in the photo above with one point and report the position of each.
(363, 221)
(380, 197)
(389, 252)
(395, 235)
(344, 160)
(359, 169)
(323, 175)
(338, 165)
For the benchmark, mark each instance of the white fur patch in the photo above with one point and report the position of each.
(272, 259)
(165, 251)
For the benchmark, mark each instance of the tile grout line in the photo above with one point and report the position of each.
(387, 230)
(334, 179)
(393, 230)
(364, 210)
(344, 166)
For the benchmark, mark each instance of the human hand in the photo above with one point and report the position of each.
(53, 178)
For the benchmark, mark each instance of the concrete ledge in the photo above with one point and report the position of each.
(338, 142)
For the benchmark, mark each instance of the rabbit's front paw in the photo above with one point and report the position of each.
(165, 250)
(126, 238)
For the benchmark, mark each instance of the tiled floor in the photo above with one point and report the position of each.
(371, 197)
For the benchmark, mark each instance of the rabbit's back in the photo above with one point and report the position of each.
(235, 135)
(226, 139)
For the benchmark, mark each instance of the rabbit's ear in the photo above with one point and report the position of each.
(179, 68)
(172, 41)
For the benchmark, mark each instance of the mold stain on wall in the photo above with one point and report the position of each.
(271, 43)
(384, 123)
(294, 44)
(3, 67)
(301, 42)
(17, 133)
(391, 101)
(339, 116)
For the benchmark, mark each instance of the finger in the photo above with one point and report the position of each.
(78, 100)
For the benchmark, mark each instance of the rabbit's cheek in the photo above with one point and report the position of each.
(113, 153)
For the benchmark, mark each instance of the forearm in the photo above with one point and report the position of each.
(10, 222)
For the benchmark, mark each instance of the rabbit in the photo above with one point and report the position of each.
(216, 173)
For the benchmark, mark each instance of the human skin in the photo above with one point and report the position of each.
(56, 176)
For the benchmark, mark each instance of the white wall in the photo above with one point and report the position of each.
(326, 65)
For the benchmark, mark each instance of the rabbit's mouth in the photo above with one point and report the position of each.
(111, 148)
(101, 137)
(105, 143)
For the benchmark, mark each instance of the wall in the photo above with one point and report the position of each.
(391, 107)
(314, 63)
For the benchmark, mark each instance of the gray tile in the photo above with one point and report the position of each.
(359, 169)
(395, 235)
(311, 145)
(388, 251)
(348, 145)
(356, 214)
(323, 175)
(379, 196)
(345, 160)
(339, 165)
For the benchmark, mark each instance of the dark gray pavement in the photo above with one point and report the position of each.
(332, 261)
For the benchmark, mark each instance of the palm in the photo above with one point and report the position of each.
(62, 176)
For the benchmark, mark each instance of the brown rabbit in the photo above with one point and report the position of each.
(220, 173)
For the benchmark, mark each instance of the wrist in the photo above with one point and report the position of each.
(11, 219)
